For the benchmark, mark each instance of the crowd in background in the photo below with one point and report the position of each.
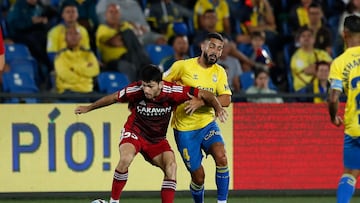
(270, 45)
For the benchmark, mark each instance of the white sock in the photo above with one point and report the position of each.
(222, 201)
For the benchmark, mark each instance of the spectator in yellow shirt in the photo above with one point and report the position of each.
(56, 36)
(222, 12)
(303, 61)
(118, 46)
(75, 66)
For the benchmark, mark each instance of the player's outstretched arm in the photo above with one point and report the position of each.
(333, 104)
(104, 101)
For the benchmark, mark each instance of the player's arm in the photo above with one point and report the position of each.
(209, 99)
(104, 101)
(333, 102)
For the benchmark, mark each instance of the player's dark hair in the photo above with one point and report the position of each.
(150, 73)
(352, 23)
(214, 35)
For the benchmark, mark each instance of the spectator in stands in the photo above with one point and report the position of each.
(261, 19)
(29, 25)
(304, 59)
(166, 17)
(222, 12)
(87, 13)
(232, 67)
(118, 46)
(257, 51)
(323, 39)
(75, 66)
(261, 86)
(319, 85)
(133, 13)
(209, 21)
(180, 44)
(56, 36)
(298, 15)
(351, 8)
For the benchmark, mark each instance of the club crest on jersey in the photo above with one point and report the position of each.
(214, 78)
(142, 103)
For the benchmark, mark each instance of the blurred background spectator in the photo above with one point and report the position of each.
(304, 59)
(75, 67)
(180, 44)
(56, 35)
(319, 85)
(261, 86)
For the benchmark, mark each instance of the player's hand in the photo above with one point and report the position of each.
(337, 121)
(193, 104)
(222, 115)
(81, 109)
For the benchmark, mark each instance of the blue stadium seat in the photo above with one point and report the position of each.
(158, 52)
(110, 82)
(17, 82)
(247, 79)
(25, 65)
(16, 51)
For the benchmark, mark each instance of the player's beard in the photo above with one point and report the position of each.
(210, 59)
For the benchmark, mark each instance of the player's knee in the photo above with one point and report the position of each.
(198, 176)
(220, 159)
(125, 161)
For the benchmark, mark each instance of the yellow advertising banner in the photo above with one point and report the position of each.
(47, 148)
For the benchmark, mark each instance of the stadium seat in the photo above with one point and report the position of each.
(25, 65)
(247, 79)
(17, 82)
(110, 82)
(16, 51)
(158, 52)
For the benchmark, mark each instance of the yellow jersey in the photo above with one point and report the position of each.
(221, 9)
(103, 34)
(345, 75)
(75, 70)
(302, 59)
(189, 72)
(56, 38)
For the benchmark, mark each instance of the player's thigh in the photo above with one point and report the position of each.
(150, 151)
(189, 146)
(130, 145)
(212, 138)
(351, 153)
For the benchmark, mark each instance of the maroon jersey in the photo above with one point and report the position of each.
(150, 118)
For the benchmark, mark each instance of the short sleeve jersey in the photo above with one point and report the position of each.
(346, 69)
(150, 118)
(190, 73)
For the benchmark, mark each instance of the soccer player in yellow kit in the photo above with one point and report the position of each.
(199, 131)
(345, 75)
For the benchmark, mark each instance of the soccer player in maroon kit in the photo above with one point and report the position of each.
(151, 102)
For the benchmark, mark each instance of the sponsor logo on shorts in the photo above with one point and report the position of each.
(211, 133)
